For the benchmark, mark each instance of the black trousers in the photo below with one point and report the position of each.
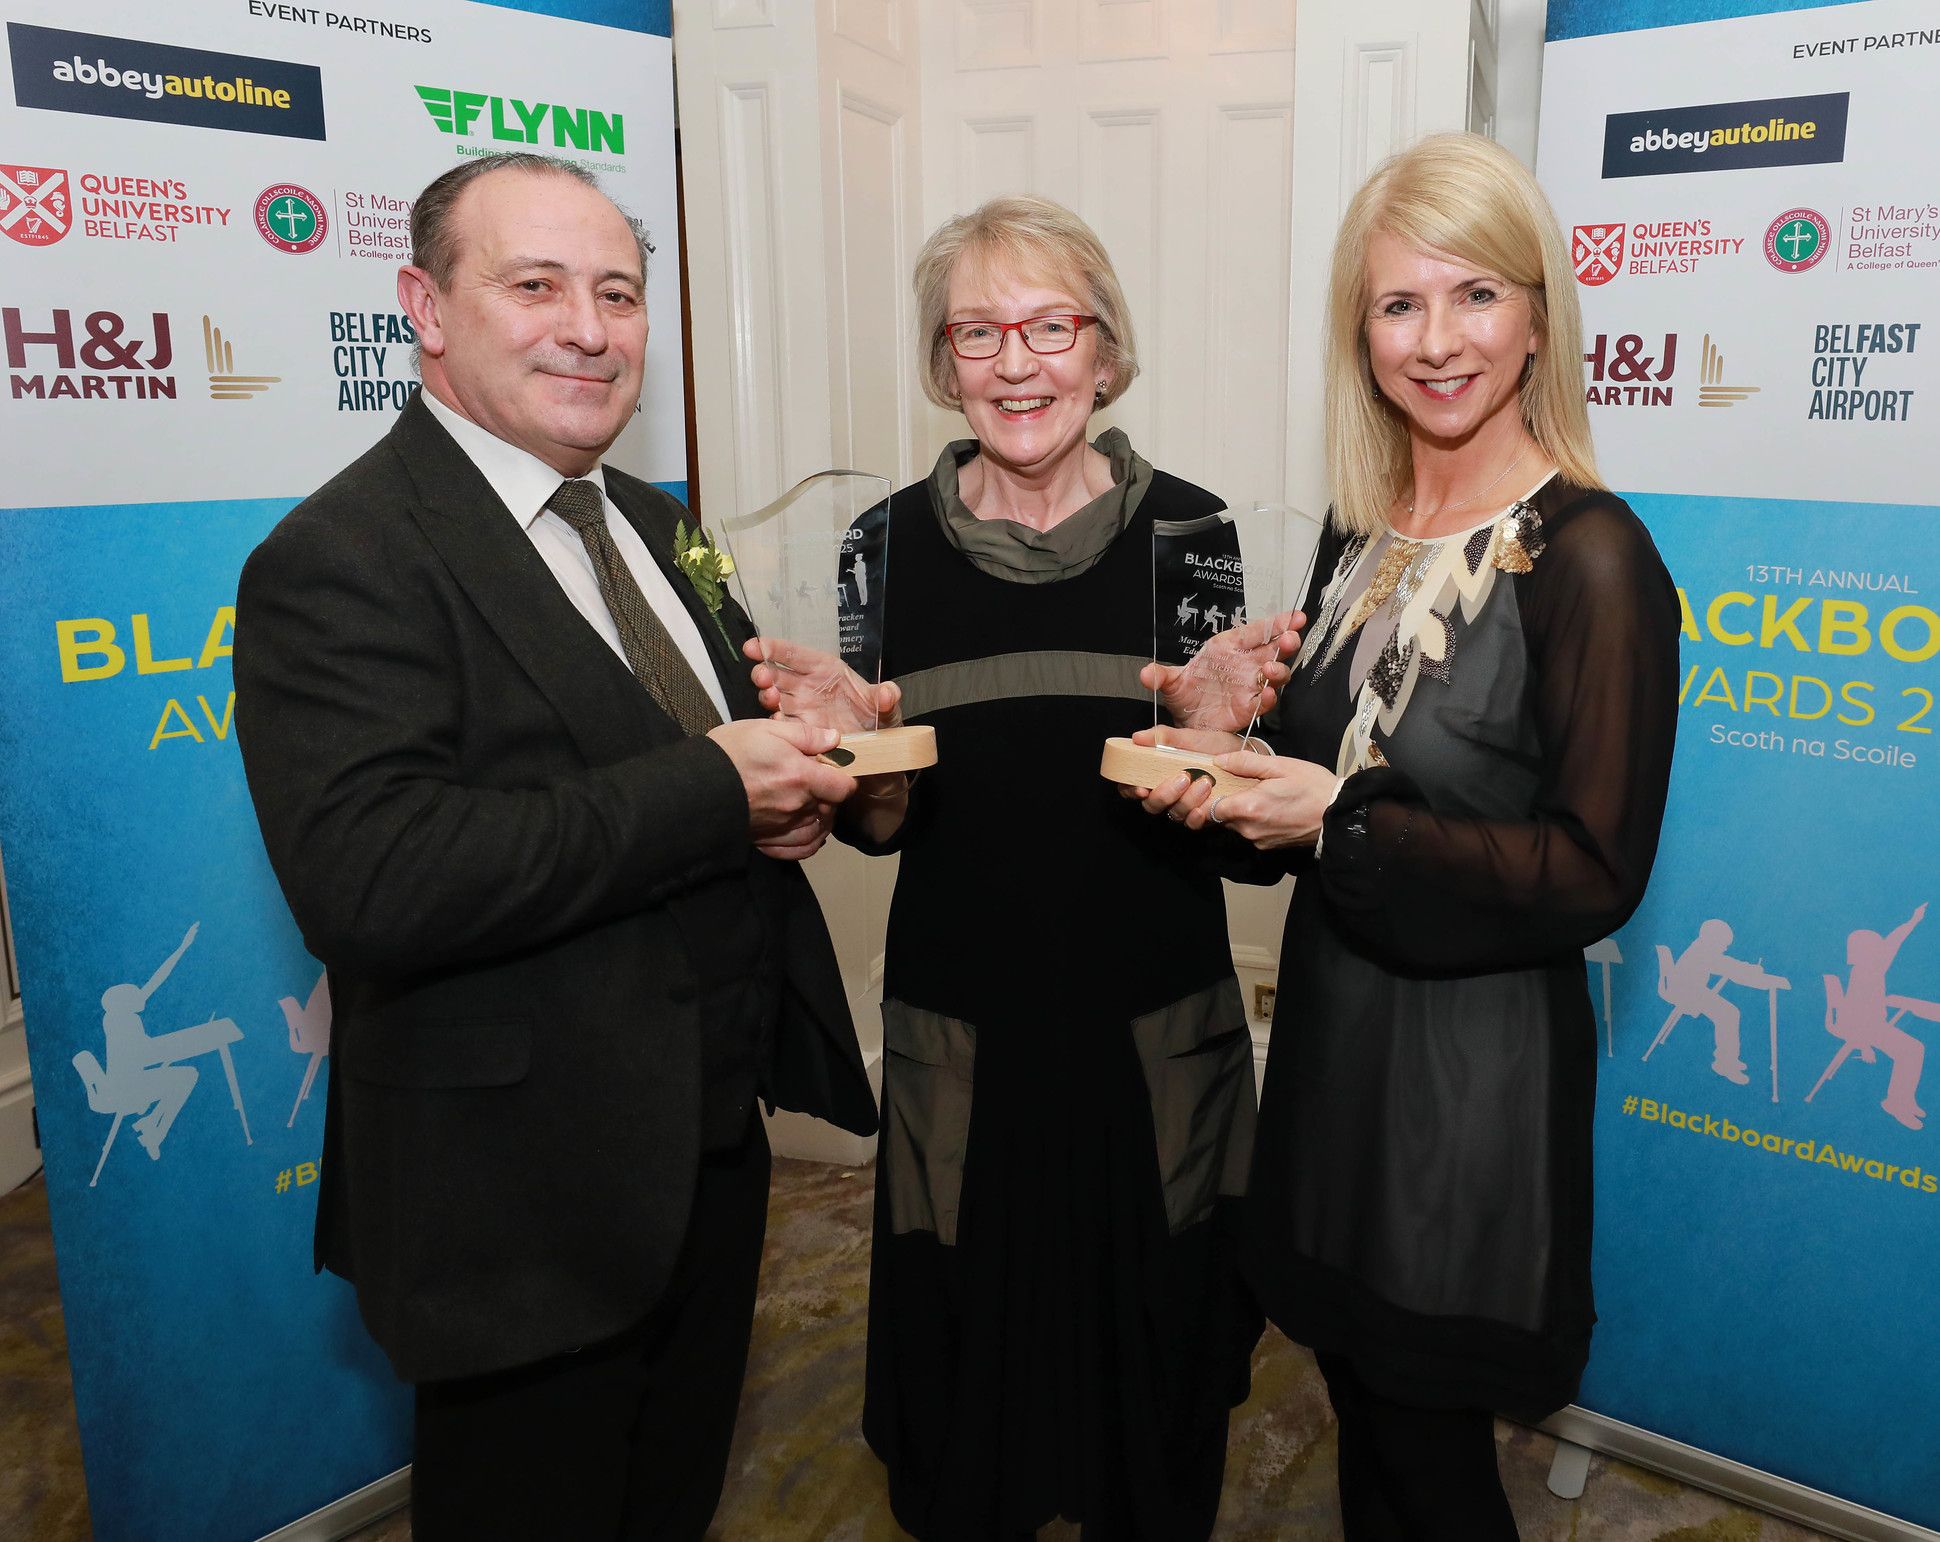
(626, 1439)
(1414, 1474)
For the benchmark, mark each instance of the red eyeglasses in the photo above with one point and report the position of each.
(1041, 334)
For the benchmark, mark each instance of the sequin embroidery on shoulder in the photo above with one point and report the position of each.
(1522, 539)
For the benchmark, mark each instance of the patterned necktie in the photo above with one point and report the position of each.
(651, 653)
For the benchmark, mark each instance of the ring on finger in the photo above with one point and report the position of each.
(1212, 809)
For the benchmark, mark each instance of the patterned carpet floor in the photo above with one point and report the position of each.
(800, 1472)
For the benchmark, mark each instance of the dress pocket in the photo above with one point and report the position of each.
(1197, 1054)
(929, 1066)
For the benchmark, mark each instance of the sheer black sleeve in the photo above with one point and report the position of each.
(1435, 893)
(1268, 867)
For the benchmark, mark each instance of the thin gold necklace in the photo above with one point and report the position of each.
(1480, 490)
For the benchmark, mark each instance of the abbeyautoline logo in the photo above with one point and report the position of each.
(1726, 136)
(118, 77)
(510, 121)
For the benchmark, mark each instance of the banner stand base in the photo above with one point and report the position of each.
(1568, 1469)
(353, 1512)
(1733, 1480)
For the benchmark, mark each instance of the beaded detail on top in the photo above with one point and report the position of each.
(1419, 590)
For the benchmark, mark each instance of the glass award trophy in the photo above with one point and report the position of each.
(1218, 583)
(811, 570)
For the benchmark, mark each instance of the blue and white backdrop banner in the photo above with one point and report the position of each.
(202, 210)
(1752, 193)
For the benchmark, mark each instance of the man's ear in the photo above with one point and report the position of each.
(417, 292)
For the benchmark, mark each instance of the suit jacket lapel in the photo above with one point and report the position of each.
(653, 513)
(603, 707)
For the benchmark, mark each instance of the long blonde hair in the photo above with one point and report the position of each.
(1467, 197)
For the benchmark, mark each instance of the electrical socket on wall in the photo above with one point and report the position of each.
(1263, 1002)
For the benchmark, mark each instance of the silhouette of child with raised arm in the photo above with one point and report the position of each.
(132, 1062)
(1859, 1017)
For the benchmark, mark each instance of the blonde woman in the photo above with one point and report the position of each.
(1470, 775)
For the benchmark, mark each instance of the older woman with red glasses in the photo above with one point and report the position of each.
(1056, 1325)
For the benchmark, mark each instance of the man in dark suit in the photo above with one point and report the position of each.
(516, 786)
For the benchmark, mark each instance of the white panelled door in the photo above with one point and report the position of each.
(1169, 127)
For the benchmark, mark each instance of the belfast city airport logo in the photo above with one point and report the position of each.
(512, 121)
(1726, 136)
(1797, 239)
(1597, 253)
(114, 77)
(34, 206)
(291, 218)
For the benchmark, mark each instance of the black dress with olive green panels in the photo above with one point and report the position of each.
(1056, 1323)
(1420, 1199)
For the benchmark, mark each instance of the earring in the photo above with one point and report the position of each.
(1374, 390)
(1098, 395)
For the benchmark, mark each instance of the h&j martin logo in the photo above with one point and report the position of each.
(1712, 391)
(105, 364)
(1797, 239)
(291, 218)
(225, 385)
(1623, 375)
(1726, 136)
(1597, 253)
(514, 122)
(115, 77)
(34, 206)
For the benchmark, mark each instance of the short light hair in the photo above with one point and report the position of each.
(1464, 197)
(1035, 240)
(434, 237)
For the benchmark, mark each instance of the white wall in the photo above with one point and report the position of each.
(1519, 75)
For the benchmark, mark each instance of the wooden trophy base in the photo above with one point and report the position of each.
(884, 751)
(1150, 765)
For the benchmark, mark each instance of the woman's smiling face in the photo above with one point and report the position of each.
(1028, 410)
(1446, 340)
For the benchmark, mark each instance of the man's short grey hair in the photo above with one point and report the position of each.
(434, 238)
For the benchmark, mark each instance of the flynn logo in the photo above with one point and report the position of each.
(1597, 252)
(513, 122)
(225, 385)
(34, 207)
(1797, 239)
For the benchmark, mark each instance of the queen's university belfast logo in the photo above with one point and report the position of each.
(1596, 252)
(35, 209)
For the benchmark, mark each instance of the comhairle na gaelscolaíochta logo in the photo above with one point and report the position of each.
(707, 568)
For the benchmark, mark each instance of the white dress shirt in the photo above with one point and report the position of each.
(523, 483)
